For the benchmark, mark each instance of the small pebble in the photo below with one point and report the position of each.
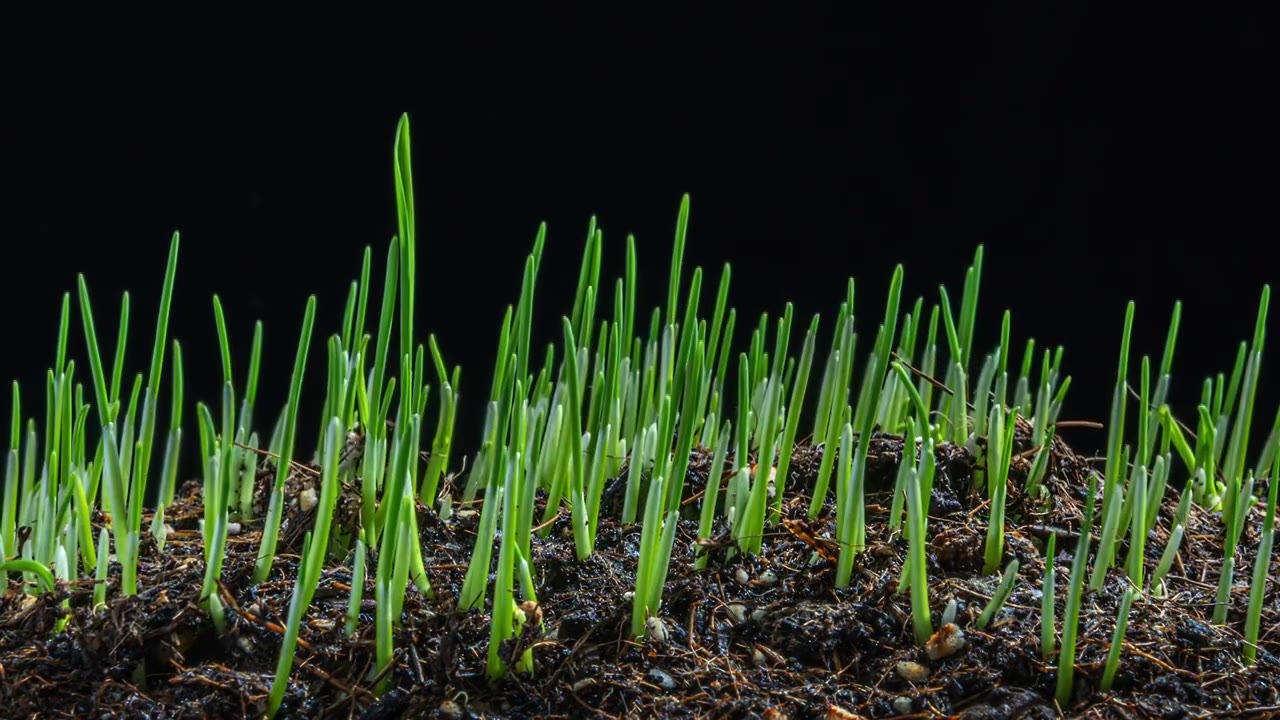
(768, 577)
(450, 709)
(307, 499)
(835, 712)
(657, 630)
(913, 672)
(902, 705)
(660, 678)
(947, 641)
(741, 576)
(737, 612)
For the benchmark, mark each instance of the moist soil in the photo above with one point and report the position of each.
(748, 637)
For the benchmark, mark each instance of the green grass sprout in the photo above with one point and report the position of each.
(656, 540)
(1117, 641)
(1075, 595)
(917, 568)
(316, 548)
(1261, 569)
(1238, 490)
(275, 506)
(1048, 589)
(1000, 596)
(999, 454)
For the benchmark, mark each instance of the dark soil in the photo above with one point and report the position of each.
(760, 637)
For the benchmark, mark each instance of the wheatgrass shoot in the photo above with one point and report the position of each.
(981, 394)
(1075, 595)
(116, 444)
(100, 571)
(1113, 506)
(1003, 351)
(475, 582)
(1117, 641)
(846, 476)
(172, 452)
(43, 576)
(892, 408)
(1047, 407)
(693, 399)
(218, 467)
(284, 459)
(442, 444)
(410, 392)
(391, 574)
(578, 501)
(1166, 559)
(1164, 378)
(1238, 491)
(711, 493)
(828, 424)
(1116, 460)
(657, 536)
(832, 386)
(358, 574)
(915, 401)
(853, 520)
(719, 341)
(749, 527)
(1156, 489)
(1047, 591)
(999, 597)
(1261, 569)
(898, 506)
(642, 456)
(375, 400)
(1135, 563)
(916, 569)
(315, 548)
(502, 624)
(999, 453)
(960, 340)
(9, 506)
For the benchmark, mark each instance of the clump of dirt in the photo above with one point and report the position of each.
(766, 636)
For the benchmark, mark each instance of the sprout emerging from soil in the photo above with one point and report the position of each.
(675, 426)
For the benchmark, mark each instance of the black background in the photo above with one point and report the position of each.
(1099, 158)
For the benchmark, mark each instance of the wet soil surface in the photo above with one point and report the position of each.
(757, 637)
